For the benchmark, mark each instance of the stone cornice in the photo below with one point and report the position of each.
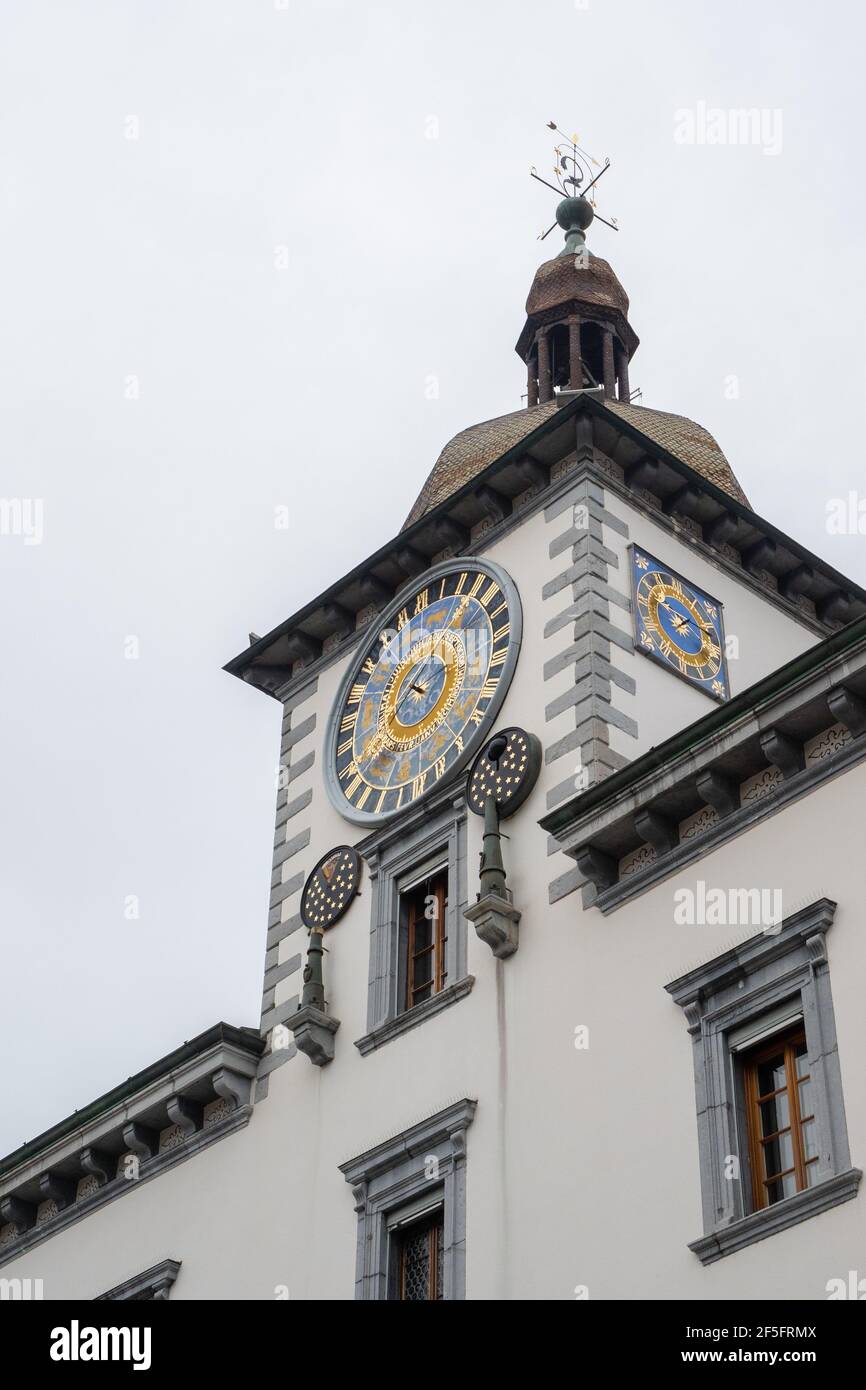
(707, 765)
(201, 1092)
(726, 530)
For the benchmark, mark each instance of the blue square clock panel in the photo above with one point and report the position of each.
(678, 625)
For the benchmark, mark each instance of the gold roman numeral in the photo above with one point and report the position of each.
(495, 614)
(348, 722)
(356, 694)
(498, 658)
(344, 747)
(460, 582)
(439, 768)
(421, 601)
(369, 666)
(402, 617)
(363, 797)
(353, 787)
(418, 785)
(490, 593)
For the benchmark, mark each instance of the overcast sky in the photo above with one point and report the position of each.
(239, 238)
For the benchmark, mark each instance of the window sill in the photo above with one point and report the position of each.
(761, 1224)
(411, 1018)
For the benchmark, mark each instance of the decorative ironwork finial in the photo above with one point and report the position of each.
(574, 180)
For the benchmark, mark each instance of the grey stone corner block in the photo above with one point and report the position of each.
(496, 922)
(314, 1034)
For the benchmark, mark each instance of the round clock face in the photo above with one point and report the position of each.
(681, 627)
(422, 693)
(507, 768)
(330, 888)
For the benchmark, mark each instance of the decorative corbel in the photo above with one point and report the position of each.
(96, 1163)
(720, 530)
(232, 1086)
(57, 1189)
(718, 791)
(598, 868)
(15, 1212)
(657, 830)
(186, 1114)
(849, 709)
(796, 581)
(312, 1027)
(784, 752)
(140, 1140)
(496, 505)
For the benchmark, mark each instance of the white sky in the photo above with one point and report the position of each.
(303, 125)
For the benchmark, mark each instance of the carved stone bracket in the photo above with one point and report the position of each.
(314, 1033)
(848, 708)
(233, 1087)
(57, 1189)
(141, 1140)
(718, 791)
(600, 869)
(98, 1164)
(660, 832)
(497, 923)
(186, 1114)
(786, 753)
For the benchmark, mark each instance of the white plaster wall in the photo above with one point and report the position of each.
(582, 1166)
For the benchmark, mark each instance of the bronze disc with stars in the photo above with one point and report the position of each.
(330, 888)
(508, 766)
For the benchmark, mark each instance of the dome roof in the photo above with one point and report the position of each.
(559, 281)
(472, 450)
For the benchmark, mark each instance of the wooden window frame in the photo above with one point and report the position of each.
(785, 1043)
(413, 910)
(431, 1223)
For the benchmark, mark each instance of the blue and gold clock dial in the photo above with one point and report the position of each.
(678, 625)
(424, 690)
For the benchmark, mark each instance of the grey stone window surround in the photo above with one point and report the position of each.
(745, 982)
(409, 1173)
(153, 1285)
(432, 837)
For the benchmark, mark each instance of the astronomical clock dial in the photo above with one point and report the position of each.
(423, 692)
(679, 626)
(330, 888)
(507, 768)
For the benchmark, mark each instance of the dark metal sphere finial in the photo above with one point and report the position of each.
(574, 178)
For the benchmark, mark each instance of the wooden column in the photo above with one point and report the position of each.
(575, 365)
(545, 387)
(531, 383)
(622, 373)
(608, 367)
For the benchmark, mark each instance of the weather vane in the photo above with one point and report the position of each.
(574, 166)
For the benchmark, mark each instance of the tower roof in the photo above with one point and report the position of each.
(472, 450)
(578, 283)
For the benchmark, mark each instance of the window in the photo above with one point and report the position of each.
(152, 1286)
(425, 910)
(782, 1129)
(772, 1137)
(417, 1260)
(410, 1200)
(418, 946)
